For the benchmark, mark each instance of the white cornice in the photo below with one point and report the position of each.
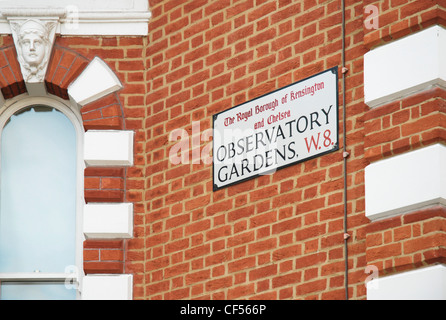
(32, 12)
(83, 18)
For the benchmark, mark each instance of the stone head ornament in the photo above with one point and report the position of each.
(33, 49)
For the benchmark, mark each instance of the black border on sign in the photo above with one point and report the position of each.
(334, 70)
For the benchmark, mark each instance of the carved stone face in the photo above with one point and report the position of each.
(33, 48)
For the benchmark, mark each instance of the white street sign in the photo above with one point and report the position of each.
(284, 127)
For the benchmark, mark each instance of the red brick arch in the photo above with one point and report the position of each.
(64, 67)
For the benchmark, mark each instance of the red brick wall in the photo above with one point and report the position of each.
(275, 237)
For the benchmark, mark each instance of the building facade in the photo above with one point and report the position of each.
(143, 82)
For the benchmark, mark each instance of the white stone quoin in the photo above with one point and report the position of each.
(428, 283)
(108, 148)
(406, 182)
(108, 220)
(107, 287)
(95, 82)
(405, 66)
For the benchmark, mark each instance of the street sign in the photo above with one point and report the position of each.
(279, 129)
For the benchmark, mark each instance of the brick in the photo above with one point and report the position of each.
(384, 251)
(426, 242)
(309, 287)
(112, 255)
(103, 267)
(242, 264)
(217, 284)
(91, 255)
(288, 279)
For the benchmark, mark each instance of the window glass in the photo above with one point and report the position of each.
(37, 195)
(36, 291)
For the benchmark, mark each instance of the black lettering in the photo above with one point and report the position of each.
(279, 133)
(249, 142)
(245, 164)
(282, 155)
(298, 126)
(241, 146)
(291, 150)
(218, 152)
(225, 175)
(256, 168)
(314, 120)
(259, 139)
(268, 157)
(270, 138)
(233, 171)
(289, 126)
(231, 150)
(326, 113)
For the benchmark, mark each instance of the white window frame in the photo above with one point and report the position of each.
(72, 277)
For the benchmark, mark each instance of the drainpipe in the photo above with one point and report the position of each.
(345, 154)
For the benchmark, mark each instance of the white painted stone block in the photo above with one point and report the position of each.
(95, 82)
(108, 148)
(107, 287)
(427, 283)
(108, 220)
(405, 66)
(406, 182)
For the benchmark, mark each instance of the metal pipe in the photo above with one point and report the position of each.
(345, 153)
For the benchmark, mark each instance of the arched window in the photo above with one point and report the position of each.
(39, 236)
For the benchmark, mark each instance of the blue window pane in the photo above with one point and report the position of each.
(36, 291)
(37, 195)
